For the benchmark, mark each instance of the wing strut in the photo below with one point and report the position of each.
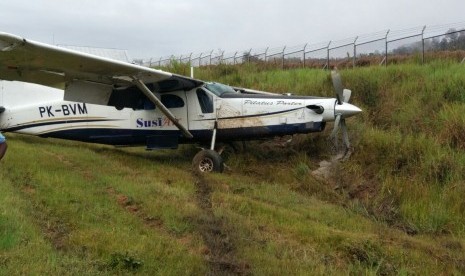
(160, 105)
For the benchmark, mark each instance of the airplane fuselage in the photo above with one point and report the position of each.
(236, 116)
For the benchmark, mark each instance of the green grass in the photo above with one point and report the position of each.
(395, 207)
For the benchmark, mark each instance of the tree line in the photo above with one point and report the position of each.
(451, 41)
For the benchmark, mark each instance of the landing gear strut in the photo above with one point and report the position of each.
(209, 160)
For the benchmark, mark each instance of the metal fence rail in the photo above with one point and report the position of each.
(383, 47)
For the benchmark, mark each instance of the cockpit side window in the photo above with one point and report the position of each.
(219, 89)
(205, 101)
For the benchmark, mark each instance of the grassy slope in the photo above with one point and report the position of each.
(395, 208)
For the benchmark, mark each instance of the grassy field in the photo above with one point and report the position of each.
(395, 207)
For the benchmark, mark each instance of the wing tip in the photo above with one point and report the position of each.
(10, 41)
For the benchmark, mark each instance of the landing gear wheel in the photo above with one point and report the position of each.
(206, 161)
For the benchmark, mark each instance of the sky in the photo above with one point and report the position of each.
(155, 28)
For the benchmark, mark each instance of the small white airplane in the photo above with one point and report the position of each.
(117, 103)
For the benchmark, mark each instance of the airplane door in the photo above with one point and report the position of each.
(151, 118)
(202, 109)
(153, 127)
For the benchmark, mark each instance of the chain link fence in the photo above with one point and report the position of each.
(381, 48)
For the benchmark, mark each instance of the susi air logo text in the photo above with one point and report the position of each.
(158, 122)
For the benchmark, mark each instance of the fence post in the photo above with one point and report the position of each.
(282, 64)
(303, 62)
(355, 52)
(386, 54)
(423, 45)
(327, 57)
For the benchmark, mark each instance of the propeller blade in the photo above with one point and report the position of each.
(346, 93)
(345, 135)
(336, 126)
(340, 123)
(337, 84)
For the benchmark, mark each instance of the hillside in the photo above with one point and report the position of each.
(395, 207)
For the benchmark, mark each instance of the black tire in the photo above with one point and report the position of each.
(206, 161)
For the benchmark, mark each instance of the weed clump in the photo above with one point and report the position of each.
(124, 261)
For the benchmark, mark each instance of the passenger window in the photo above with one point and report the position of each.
(143, 103)
(172, 101)
(205, 101)
(148, 105)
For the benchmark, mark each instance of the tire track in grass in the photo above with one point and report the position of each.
(154, 223)
(54, 229)
(135, 209)
(220, 252)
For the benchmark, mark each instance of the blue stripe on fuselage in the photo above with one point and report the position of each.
(58, 122)
(139, 137)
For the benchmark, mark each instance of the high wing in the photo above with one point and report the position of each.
(30, 61)
(85, 77)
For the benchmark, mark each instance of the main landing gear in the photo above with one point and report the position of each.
(209, 160)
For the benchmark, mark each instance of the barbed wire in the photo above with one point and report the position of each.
(381, 42)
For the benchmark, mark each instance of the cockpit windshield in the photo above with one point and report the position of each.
(219, 89)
